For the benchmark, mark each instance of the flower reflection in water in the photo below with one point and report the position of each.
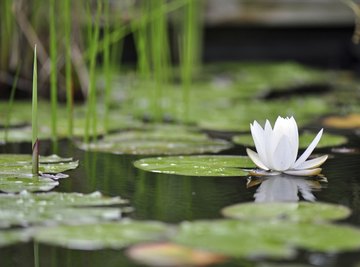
(285, 188)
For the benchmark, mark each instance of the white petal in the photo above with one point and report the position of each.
(255, 158)
(282, 159)
(307, 172)
(294, 138)
(308, 151)
(259, 140)
(268, 134)
(313, 163)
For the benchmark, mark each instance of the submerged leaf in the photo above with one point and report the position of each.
(102, 235)
(302, 211)
(197, 165)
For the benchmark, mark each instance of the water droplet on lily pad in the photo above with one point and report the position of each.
(297, 211)
(56, 208)
(197, 165)
(157, 142)
(114, 235)
(327, 140)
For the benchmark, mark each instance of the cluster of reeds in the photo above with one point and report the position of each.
(78, 39)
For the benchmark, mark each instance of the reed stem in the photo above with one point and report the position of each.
(53, 74)
(34, 123)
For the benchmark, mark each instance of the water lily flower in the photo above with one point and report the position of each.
(277, 149)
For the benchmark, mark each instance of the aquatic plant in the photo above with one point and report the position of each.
(34, 123)
(277, 149)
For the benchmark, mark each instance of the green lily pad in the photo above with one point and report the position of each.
(56, 208)
(16, 172)
(157, 142)
(21, 117)
(11, 237)
(103, 235)
(232, 238)
(302, 211)
(197, 165)
(262, 238)
(16, 183)
(230, 117)
(327, 140)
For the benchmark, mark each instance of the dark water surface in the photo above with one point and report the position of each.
(173, 199)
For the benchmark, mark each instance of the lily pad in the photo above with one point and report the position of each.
(11, 237)
(56, 208)
(157, 142)
(21, 118)
(275, 239)
(350, 121)
(302, 211)
(14, 183)
(169, 254)
(197, 165)
(16, 172)
(327, 140)
(102, 235)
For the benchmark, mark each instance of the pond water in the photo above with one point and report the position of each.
(173, 199)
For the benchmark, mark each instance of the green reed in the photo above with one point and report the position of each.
(53, 68)
(68, 66)
(189, 54)
(107, 65)
(91, 115)
(34, 122)
(10, 105)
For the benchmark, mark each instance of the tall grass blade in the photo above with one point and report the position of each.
(107, 67)
(91, 115)
(53, 74)
(34, 123)
(68, 67)
(190, 50)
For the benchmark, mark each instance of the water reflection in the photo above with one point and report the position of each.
(285, 188)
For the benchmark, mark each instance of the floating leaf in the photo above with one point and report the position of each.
(102, 235)
(11, 237)
(350, 121)
(232, 238)
(13, 183)
(197, 165)
(327, 140)
(21, 118)
(53, 208)
(263, 238)
(169, 254)
(157, 142)
(301, 211)
(16, 172)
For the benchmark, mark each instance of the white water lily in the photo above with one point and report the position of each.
(277, 149)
